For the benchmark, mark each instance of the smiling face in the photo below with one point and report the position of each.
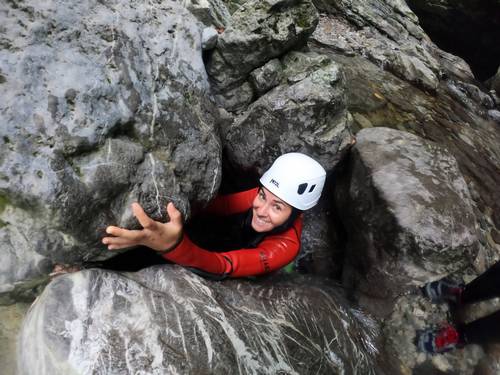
(269, 211)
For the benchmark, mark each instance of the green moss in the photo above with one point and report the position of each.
(3, 203)
(303, 20)
(188, 97)
(25, 291)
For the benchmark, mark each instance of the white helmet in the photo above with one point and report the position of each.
(295, 178)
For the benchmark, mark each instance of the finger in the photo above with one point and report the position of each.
(121, 246)
(139, 213)
(117, 241)
(125, 233)
(174, 214)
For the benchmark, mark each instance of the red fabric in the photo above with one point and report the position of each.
(274, 252)
(224, 205)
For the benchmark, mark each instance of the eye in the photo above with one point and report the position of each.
(261, 195)
(277, 207)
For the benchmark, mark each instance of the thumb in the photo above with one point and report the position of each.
(174, 214)
(141, 216)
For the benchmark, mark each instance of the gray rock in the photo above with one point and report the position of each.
(11, 318)
(166, 320)
(102, 105)
(413, 70)
(298, 65)
(19, 263)
(319, 254)
(495, 82)
(408, 213)
(470, 95)
(236, 99)
(388, 34)
(494, 115)
(267, 76)
(260, 30)
(209, 38)
(209, 12)
(476, 94)
(308, 115)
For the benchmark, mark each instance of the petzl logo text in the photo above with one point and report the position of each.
(274, 182)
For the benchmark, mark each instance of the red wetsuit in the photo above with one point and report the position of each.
(272, 253)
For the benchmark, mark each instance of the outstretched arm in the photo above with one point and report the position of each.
(158, 236)
(274, 252)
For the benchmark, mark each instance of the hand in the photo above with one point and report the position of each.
(158, 236)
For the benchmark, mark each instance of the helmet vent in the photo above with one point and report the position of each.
(312, 188)
(302, 188)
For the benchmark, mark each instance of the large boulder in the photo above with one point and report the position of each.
(260, 30)
(305, 113)
(102, 104)
(166, 320)
(408, 213)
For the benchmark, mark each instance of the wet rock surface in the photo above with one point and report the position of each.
(102, 105)
(168, 320)
(408, 211)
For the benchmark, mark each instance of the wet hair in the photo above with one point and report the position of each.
(253, 238)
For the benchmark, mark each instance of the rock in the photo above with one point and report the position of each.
(102, 105)
(400, 329)
(307, 115)
(260, 30)
(413, 70)
(209, 38)
(319, 254)
(236, 99)
(494, 115)
(407, 211)
(209, 12)
(18, 262)
(267, 76)
(495, 82)
(388, 34)
(169, 320)
(10, 323)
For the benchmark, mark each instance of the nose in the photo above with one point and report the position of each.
(262, 209)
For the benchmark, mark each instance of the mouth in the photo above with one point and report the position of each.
(261, 222)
